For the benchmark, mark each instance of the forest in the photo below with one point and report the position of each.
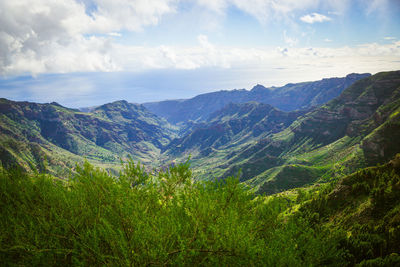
(166, 217)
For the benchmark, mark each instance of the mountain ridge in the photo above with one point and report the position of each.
(359, 117)
(235, 123)
(274, 149)
(355, 130)
(111, 132)
(287, 98)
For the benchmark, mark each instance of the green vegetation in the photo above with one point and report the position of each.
(31, 133)
(64, 200)
(360, 128)
(275, 150)
(366, 207)
(165, 218)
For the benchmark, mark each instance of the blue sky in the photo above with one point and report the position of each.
(88, 52)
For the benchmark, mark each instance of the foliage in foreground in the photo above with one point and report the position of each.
(148, 219)
(366, 207)
(164, 218)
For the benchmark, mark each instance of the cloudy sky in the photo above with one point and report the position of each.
(88, 52)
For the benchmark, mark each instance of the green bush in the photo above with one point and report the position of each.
(162, 218)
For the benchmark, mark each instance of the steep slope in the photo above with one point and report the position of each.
(137, 122)
(288, 98)
(30, 132)
(233, 125)
(359, 128)
(364, 209)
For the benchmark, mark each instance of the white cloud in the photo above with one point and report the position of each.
(263, 10)
(215, 5)
(314, 17)
(289, 40)
(389, 38)
(115, 34)
(373, 6)
(327, 40)
(203, 40)
(370, 57)
(60, 36)
(233, 68)
(63, 36)
(130, 14)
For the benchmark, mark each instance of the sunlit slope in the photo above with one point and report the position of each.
(31, 133)
(359, 128)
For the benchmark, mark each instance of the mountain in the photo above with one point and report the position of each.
(274, 150)
(136, 122)
(287, 98)
(31, 132)
(359, 128)
(331, 173)
(364, 207)
(233, 125)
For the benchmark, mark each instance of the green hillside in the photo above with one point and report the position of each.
(165, 218)
(359, 128)
(273, 150)
(231, 126)
(316, 187)
(32, 134)
(364, 207)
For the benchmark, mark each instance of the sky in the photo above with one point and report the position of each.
(83, 53)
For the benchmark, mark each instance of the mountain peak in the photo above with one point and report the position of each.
(293, 96)
(357, 75)
(258, 87)
(120, 101)
(56, 104)
(116, 104)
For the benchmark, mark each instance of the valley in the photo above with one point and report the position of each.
(246, 183)
(200, 133)
(331, 128)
